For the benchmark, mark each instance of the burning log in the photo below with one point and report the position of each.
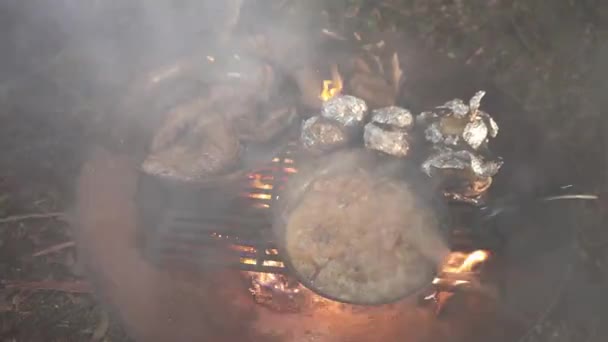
(354, 234)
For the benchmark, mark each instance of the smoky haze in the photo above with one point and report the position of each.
(75, 60)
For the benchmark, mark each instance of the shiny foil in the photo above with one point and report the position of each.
(320, 134)
(348, 110)
(393, 142)
(393, 116)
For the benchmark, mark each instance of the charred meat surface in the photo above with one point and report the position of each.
(202, 149)
(205, 135)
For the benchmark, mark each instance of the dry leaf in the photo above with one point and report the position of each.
(102, 327)
(397, 73)
(379, 64)
(362, 66)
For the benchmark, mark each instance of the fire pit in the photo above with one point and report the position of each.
(202, 268)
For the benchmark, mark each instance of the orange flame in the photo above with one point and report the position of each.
(257, 182)
(472, 260)
(260, 196)
(459, 262)
(333, 87)
(277, 282)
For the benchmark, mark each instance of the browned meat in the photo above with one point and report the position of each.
(359, 237)
(193, 150)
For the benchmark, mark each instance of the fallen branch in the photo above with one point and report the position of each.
(76, 286)
(55, 248)
(17, 218)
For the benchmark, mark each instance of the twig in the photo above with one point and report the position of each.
(333, 34)
(588, 197)
(17, 218)
(234, 16)
(76, 286)
(54, 248)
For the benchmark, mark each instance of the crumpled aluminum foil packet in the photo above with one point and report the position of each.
(390, 142)
(320, 134)
(458, 124)
(388, 131)
(448, 158)
(393, 116)
(348, 110)
(459, 134)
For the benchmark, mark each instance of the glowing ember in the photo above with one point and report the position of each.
(459, 262)
(260, 196)
(331, 87)
(243, 248)
(248, 261)
(257, 182)
(272, 251)
(282, 293)
(272, 263)
(274, 282)
(261, 205)
(459, 269)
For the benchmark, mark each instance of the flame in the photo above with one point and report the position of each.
(248, 261)
(257, 182)
(264, 181)
(459, 262)
(274, 290)
(272, 263)
(242, 248)
(272, 251)
(260, 196)
(458, 267)
(261, 205)
(458, 270)
(473, 259)
(333, 87)
(261, 282)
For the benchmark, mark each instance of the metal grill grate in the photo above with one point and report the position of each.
(232, 233)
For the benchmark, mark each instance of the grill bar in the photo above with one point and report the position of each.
(236, 235)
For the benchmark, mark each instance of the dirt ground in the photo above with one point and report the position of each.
(55, 88)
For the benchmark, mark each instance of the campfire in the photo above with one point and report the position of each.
(455, 136)
(282, 292)
(225, 227)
